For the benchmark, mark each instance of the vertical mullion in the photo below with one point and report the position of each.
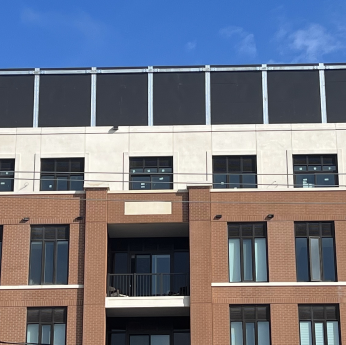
(42, 258)
(253, 257)
(241, 257)
(323, 93)
(265, 94)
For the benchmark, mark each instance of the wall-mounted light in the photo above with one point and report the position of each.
(218, 216)
(269, 216)
(115, 128)
(79, 218)
(25, 219)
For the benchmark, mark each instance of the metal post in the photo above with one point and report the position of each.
(323, 93)
(134, 284)
(265, 94)
(207, 96)
(36, 97)
(93, 97)
(150, 96)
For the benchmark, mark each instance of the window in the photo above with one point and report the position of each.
(250, 325)
(49, 255)
(6, 175)
(315, 171)
(247, 252)
(62, 174)
(46, 326)
(234, 172)
(315, 254)
(319, 325)
(151, 173)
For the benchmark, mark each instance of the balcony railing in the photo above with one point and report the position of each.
(148, 284)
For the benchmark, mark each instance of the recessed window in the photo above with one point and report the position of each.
(151, 173)
(319, 324)
(315, 251)
(315, 171)
(6, 175)
(46, 326)
(62, 174)
(247, 252)
(250, 325)
(234, 172)
(49, 255)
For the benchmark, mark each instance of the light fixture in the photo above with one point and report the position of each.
(79, 218)
(25, 219)
(218, 216)
(269, 216)
(115, 128)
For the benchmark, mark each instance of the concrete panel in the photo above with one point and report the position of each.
(233, 142)
(140, 208)
(151, 142)
(313, 141)
(60, 143)
(7, 144)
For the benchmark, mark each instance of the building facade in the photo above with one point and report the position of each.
(165, 205)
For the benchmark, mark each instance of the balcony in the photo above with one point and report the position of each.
(148, 284)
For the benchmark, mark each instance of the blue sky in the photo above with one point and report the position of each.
(45, 33)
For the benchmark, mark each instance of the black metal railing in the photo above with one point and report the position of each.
(148, 284)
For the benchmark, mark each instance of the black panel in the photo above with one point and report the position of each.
(64, 100)
(122, 99)
(179, 99)
(236, 97)
(294, 97)
(16, 101)
(336, 95)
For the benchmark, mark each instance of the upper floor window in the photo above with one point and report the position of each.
(46, 326)
(62, 174)
(250, 325)
(234, 172)
(315, 254)
(6, 175)
(247, 245)
(49, 255)
(315, 171)
(319, 325)
(151, 173)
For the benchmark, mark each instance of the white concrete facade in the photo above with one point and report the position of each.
(107, 152)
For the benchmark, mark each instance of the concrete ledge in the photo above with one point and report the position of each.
(148, 302)
(269, 284)
(40, 287)
(143, 208)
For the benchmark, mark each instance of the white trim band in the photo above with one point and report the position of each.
(40, 287)
(270, 284)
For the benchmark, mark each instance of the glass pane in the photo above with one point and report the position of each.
(250, 333)
(333, 332)
(142, 264)
(120, 263)
(247, 259)
(260, 259)
(35, 263)
(61, 183)
(48, 262)
(234, 260)
(59, 334)
(45, 336)
(32, 334)
(234, 181)
(219, 165)
(181, 267)
(263, 333)
(219, 181)
(136, 162)
(315, 260)
(159, 340)
(47, 165)
(47, 182)
(76, 182)
(161, 182)
(165, 170)
(234, 164)
(304, 181)
(249, 181)
(314, 160)
(77, 165)
(319, 337)
(161, 264)
(305, 333)
(236, 333)
(302, 263)
(328, 259)
(118, 339)
(300, 168)
(150, 170)
(140, 182)
(299, 160)
(62, 262)
(165, 162)
(150, 162)
(182, 339)
(249, 164)
(314, 168)
(326, 180)
(62, 166)
(6, 185)
(139, 339)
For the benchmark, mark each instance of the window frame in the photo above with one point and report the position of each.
(256, 320)
(314, 173)
(3, 176)
(240, 173)
(40, 322)
(68, 174)
(324, 320)
(252, 237)
(319, 237)
(55, 259)
(151, 174)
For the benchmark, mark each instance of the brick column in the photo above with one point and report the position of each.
(201, 319)
(95, 267)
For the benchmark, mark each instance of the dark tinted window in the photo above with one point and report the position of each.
(6, 175)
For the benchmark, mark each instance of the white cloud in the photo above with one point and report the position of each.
(245, 41)
(310, 44)
(189, 46)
